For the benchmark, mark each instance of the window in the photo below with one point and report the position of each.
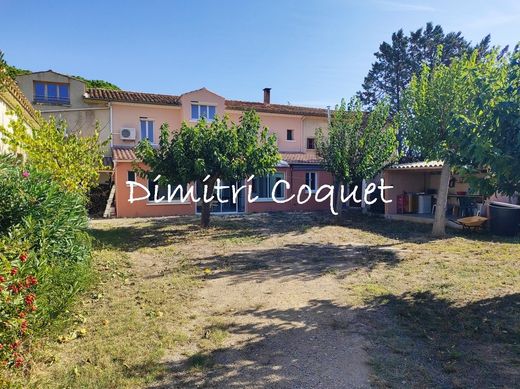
(199, 111)
(290, 134)
(131, 176)
(311, 179)
(51, 93)
(263, 186)
(311, 144)
(147, 129)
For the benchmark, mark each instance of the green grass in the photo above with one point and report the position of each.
(438, 313)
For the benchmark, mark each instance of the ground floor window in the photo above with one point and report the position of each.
(263, 186)
(311, 179)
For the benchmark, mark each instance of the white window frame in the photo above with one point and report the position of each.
(147, 120)
(315, 180)
(199, 105)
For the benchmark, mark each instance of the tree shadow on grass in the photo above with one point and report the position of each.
(303, 261)
(415, 340)
(434, 342)
(134, 234)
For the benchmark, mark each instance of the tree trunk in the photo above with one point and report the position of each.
(439, 224)
(339, 203)
(206, 206)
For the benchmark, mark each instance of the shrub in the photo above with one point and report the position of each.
(44, 254)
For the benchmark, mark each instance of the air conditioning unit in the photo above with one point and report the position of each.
(128, 133)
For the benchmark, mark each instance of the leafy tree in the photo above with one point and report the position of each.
(74, 161)
(396, 62)
(219, 149)
(494, 145)
(441, 116)
(357, 144)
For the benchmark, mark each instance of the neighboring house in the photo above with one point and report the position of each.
(135, 116)
(12, 97)
(62, 96)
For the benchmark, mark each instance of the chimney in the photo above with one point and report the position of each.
(267, 95)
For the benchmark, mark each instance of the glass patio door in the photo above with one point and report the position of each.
(229, 206)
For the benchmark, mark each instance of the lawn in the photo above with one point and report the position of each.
(291, 300)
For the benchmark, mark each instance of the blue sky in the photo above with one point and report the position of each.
(310, 52)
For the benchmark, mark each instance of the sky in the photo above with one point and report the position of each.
(309, 52)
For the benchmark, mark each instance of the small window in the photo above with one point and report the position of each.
(311, 179)
(131, 175)
(199, 111)
(311, 144)
(147, 130)
(290, 134)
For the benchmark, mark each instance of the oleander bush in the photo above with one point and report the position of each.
(44, 255)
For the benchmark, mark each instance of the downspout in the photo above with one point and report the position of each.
(110, 121)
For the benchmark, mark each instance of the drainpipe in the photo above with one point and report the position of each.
(110, 121)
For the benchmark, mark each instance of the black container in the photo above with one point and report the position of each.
(504, 218)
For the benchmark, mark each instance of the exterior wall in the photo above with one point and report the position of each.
(309, 129)
(81, 117)
(145, 209)
(129, 115)
(278, 125)
(141, 208)
(11, 97)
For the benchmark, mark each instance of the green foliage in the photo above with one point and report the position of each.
(493, 142)
(358, 144)
(219, 149)
(98, 83)
(398, 61)
(73, 160)
(441, 112)
(44, 254)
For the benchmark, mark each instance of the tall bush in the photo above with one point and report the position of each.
(44, 254)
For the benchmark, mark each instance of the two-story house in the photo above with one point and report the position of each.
(135, 116)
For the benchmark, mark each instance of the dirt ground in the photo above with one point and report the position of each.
(280, 303)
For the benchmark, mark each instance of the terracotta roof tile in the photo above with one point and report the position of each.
(275, 108)
(128, 154)
(123, 154)
(131, 97)
(309, 157)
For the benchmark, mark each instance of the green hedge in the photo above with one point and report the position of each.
(44, 255)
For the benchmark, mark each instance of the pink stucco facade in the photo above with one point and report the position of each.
(126, 114)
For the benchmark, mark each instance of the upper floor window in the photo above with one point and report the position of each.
(51, 93)
(199, 111)
(311, 143)
(290, 134)
(147, 129)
